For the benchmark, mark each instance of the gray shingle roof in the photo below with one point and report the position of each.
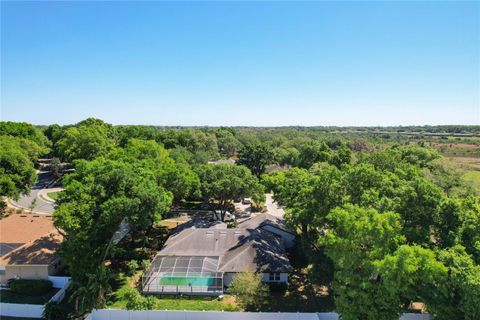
(238, 249)
(264, 219)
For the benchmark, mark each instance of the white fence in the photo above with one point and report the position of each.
(35, 310)
(21, 310)
(107, 314)
(59, 282)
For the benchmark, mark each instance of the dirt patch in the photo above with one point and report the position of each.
(466, 162)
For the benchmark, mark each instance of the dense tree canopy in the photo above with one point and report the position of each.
(17, 173)
(97, 198)
(87, 140)
(256, 157)
(381, 221)
(224, 183)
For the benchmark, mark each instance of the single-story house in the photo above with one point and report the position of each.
(27, 247)
(204, 261)
(272, 224)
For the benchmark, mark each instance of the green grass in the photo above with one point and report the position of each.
(54, 195)
(472, 179)
(11, 297)
(169, 302)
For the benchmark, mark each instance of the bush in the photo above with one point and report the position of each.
(279, 287)
(132, 267)
(135, 301)
(249, 289)
(30, 287)
(146, 264)
(54, 311)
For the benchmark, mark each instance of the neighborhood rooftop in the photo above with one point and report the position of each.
(28, 239)
(238, 249)
(263, 219)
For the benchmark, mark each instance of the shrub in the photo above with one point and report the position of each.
(30, 287)
(146, 264)
(249, 289)
(135, 301)
(54, 311)
(279, 287)
(132, 267)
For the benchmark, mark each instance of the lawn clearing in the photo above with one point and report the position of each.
(12, 297)
(54, 195)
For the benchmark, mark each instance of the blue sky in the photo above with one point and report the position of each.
(241, 63)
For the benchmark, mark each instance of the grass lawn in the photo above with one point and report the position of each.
(54, 195)
(123, 283)
(11, 297)
(472, 179)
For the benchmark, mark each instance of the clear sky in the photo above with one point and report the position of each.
(241, 63)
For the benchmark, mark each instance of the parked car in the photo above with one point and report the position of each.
(247, 200)
(228, 216)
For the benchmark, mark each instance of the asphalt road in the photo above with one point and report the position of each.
(41, 206)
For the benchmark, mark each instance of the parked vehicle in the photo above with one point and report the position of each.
(247, 200)
(228, 216)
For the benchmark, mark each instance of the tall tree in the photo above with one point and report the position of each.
(223, 183)
(89, 139)
(97, 198)
(256, 157)
(17, 173)
(356, 238)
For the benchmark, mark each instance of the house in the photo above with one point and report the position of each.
(272, 224)
(27, 247)
(204, 261)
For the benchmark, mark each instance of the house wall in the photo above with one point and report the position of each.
(288, 238)
(228, 277)
(54, 267)
(25, 272)
(283, 278)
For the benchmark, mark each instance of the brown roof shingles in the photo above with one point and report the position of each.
(28, 239)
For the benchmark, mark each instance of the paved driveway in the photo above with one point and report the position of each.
(272, 207)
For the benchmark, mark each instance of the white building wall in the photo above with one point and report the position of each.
(228, 278)
(283, 278)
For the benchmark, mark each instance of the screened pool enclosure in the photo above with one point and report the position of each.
(183, 274)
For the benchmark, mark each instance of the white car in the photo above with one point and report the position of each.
(228, 216)
(247, 200)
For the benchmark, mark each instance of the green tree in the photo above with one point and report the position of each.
(255, 157)
(414, 274)
(227, 143)
(56, 167)
(26, 131)
(17, 173)
(355, 239)
(97, 198)
(312, 152)
(249, 289)
(463, 287)
(223, 183)
(91, 138)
